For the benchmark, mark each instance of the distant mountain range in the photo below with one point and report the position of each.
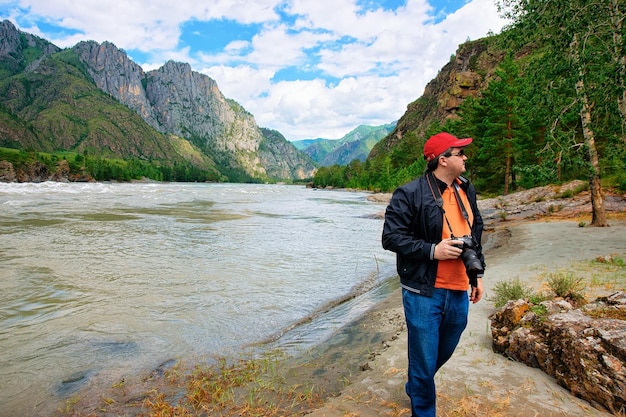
(91, 99)
(355, 145)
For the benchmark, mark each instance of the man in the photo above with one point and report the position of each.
(423, 223)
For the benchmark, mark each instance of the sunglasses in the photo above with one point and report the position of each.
(459, 153)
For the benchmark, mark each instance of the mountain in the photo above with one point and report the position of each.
(305, 143)
(466, 75)
(357, 144)
(284, 160)
(92, 98)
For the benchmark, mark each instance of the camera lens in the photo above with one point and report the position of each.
(471, 261)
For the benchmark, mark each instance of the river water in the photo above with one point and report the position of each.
(105, 278)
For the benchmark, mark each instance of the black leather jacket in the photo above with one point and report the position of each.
(413, 226)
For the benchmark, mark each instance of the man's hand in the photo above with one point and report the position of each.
(446, 250)
(477, 292)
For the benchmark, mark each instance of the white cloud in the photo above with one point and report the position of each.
(379, 60)
(398, 45)
(141, 24)
(242, 81)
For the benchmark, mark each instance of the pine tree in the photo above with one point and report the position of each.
(499, 127)
(587, 36)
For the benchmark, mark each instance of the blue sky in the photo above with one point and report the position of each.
(307, 68)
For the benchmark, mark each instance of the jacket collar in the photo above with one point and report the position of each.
(461, 182)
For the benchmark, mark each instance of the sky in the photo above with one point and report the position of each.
(306, 68)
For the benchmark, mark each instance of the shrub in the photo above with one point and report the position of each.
(566, 285)
(511, 290)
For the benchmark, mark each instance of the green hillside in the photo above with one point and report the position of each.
(546, 107)
(356, 144)
(58, 111)
(90, 112)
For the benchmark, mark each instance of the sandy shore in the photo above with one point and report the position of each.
(476, 381)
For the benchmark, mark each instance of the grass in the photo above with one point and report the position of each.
(244, 388)
(577, 283)
(222, 388)
(566, 285)
(514, 289)
(572, 192)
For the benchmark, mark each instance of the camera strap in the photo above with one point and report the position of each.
(434, 189)
(458, 199)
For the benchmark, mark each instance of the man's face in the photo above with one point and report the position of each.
(456, 160)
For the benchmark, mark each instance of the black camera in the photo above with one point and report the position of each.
(473, 266)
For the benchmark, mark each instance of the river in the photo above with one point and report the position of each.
(103, 279)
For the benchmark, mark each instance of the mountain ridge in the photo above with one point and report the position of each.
(356, 144)
(43, 107)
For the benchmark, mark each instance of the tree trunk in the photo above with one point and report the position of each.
(598, 211)
(598, 217)
(507, 175)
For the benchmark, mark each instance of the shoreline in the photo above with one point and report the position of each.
(476, 378)
(361, 368)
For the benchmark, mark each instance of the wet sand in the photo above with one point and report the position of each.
(476, 380)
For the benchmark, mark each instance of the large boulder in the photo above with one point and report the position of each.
(584, 349)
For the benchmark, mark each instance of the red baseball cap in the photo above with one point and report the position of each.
(437, 144)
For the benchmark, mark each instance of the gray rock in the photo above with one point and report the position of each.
(584, 349)
(176, 100)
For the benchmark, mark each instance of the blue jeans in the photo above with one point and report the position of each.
(434, 327)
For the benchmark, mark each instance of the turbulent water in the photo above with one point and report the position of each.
(101, 278)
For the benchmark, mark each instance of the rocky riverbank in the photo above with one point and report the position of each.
(528, 233)
(478, 381)
(584, 348)
(568, 201)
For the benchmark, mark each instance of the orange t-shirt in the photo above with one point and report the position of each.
(451, 273)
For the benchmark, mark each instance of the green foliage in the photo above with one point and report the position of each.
(514, 289)
(108, 169)
(381, 174)
(566, 285)
(526, 123)
(407, 174)
(332, 176)
(529, 176)
(498, 122)
(580, 79)
(69, 57)
(573, 192)
(540, 310)
(407, 152)
(614, 167)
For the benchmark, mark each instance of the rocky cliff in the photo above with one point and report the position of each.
(290, 164)
(14, 44)
(172, 100)
(114, 73)
(465, 75)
